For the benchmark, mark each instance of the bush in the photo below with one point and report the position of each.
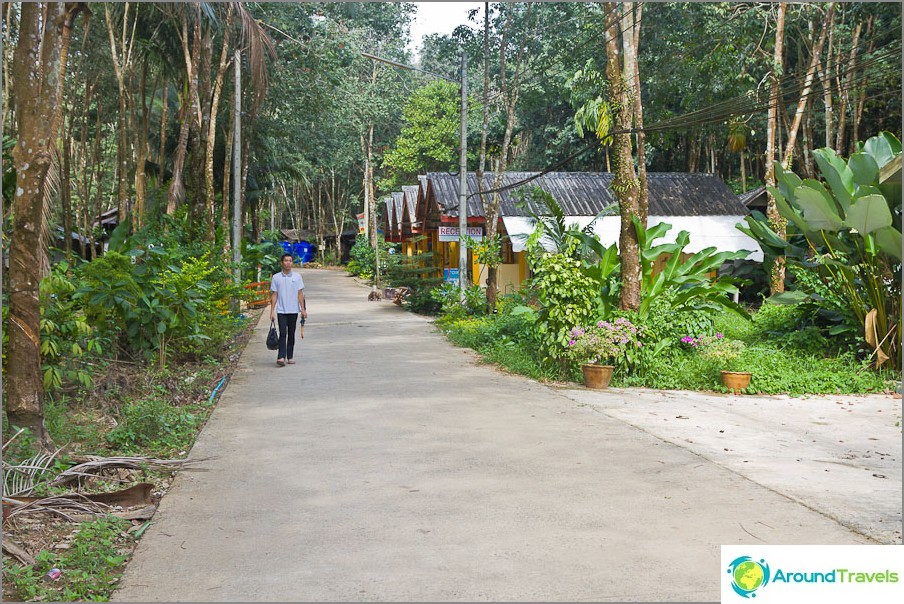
(153, 426)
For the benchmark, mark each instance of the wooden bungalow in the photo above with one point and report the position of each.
(398, 201)
(411, 228)
(388, 219)
(701, 204)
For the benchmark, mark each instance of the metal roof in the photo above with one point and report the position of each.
(398, 198)
(589, 193)
(411, 195)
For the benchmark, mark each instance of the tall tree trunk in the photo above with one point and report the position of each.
(212, 129)
(35, 73)
(843, 93)
(161, 155)
(5, 107)
(98, 178)
(825, 75)
(227, 192)
(631, 29)
(625, 182)
(861, 91)
(66, 192)
(368, 189)
(187, 115)
(777, 270)
(71, 11)
(484, 124)
(807, 87)
(141, 152)
(807, 141)
(120, 69)
(510, 93)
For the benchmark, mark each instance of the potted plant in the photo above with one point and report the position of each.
(599, 347)
(723, 352)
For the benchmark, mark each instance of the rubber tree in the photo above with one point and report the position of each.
(36, 73)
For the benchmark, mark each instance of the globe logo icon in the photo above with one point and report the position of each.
(748, 575)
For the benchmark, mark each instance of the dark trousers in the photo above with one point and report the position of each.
(286, 324)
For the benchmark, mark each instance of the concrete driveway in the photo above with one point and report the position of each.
(389, 465)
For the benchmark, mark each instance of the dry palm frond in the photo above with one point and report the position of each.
(259, 46)
(95, 465)
(12, 438)
(20, 479)
(67, 507)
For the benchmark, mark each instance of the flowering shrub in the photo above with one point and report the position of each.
(603, 342)
(690, 342)
(718, 349)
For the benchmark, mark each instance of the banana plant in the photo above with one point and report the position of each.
(689, 275)
(851, 227)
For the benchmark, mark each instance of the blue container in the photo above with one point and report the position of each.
(304, 251)
(301, 251)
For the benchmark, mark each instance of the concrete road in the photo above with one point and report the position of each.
(388, 465)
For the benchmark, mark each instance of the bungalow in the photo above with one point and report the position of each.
(701, 204)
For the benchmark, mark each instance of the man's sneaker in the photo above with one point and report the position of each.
(280, 362)
(291, 361)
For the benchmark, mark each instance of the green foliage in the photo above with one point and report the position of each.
(603, 342)
(162, 296)
(508, 338)
(430, 135)
(686, 283)
(721, 351)
(67, 338)
(362, 258)
(264, 257)
(448, 297)
(487, 251)
(154, 426)
(566, 296)
(420, 276)
(593, 112)
(852, 232)
(90, 566)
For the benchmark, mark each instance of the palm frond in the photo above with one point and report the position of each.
(259, 46)
(20, 480)
(95, 465)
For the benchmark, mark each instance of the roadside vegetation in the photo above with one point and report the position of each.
(136, 345)
(195, 127)
(833, 331)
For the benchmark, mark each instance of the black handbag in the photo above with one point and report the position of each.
(273, 337)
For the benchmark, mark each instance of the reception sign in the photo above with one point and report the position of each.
(450, 233)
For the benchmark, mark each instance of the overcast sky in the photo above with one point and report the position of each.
(439, 18)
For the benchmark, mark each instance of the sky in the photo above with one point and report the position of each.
(439, 18)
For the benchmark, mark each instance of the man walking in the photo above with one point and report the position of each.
(286, 303)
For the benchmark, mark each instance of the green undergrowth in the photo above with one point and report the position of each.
(90, 566)
(130, 411)
(784, 357)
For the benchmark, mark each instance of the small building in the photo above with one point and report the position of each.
(701, 204)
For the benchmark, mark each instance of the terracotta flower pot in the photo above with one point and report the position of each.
(597, 376)
(736, 381)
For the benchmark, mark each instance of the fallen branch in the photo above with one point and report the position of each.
(18, 553)
(95, 465)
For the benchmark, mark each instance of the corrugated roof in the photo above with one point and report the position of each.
(388, 218)
(398, 198)
(411, 193)
(589, 193)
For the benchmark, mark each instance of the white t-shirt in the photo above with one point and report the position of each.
(286, 288)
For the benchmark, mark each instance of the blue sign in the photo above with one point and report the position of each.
(450, 275)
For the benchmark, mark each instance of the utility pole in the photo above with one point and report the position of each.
(462, 162)
(237, 173)
(463, 182)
